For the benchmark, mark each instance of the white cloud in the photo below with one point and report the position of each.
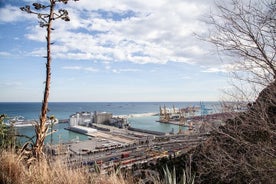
(225, 68)
(112, 37)
(195, 50)
(72, 67)
(40, 52)
(89, 69)
(215, 70)
(125, 70)
(36, 33)
(11, 14)
(5, 54)
(11, 84)
(139, 32)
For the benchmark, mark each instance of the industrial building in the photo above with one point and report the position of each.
(89, 119)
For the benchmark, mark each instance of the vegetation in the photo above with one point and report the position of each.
(241, 151)
(46, 19)
(13, 171)
(245, 30)
(244, 149)
(7, 135)
(171, 178)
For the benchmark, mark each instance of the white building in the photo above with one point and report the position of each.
(88, 118)
(83, 119)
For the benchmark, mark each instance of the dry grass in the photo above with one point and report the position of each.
(10, 170)
(13, 171)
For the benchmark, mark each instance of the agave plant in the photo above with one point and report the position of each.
(46, 14)
(171, 178)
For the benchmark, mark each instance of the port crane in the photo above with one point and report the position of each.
(186, 113)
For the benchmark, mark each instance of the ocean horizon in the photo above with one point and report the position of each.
(142, 112)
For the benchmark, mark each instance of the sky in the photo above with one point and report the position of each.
(112, 51)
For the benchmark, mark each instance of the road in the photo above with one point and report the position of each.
(128, 155)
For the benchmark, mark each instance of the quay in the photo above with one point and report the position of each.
(112, 141)
(118, 135)
(198, 120)
(106, 154)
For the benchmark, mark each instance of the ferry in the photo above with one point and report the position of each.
(20, 121)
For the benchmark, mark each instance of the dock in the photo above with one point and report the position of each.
(115, 142)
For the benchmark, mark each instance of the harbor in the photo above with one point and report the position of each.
(104, 125)
(140, 116)
(86, 138)
(143, 135)
(113, 141)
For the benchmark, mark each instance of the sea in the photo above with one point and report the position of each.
(142, 115)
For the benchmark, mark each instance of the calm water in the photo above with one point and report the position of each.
(62, 110)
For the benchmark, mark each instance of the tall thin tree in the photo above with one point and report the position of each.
(46, 15)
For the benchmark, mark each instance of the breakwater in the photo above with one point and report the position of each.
(146, 131)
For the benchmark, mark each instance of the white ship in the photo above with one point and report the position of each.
(20, 121)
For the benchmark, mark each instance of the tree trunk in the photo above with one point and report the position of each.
(41, 128)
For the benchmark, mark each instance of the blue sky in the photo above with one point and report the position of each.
(116, 50)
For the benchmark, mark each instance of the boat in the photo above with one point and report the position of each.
(20, 121)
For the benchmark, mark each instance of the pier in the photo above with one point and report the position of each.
(107, 153)
(115, 142)
(125, 147)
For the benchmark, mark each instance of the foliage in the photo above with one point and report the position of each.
(52, 120)
(171, 177)
(242, 151)
(14, 171)
(7, 134)
(167, 170)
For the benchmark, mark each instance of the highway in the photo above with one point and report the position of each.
(127, 155)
